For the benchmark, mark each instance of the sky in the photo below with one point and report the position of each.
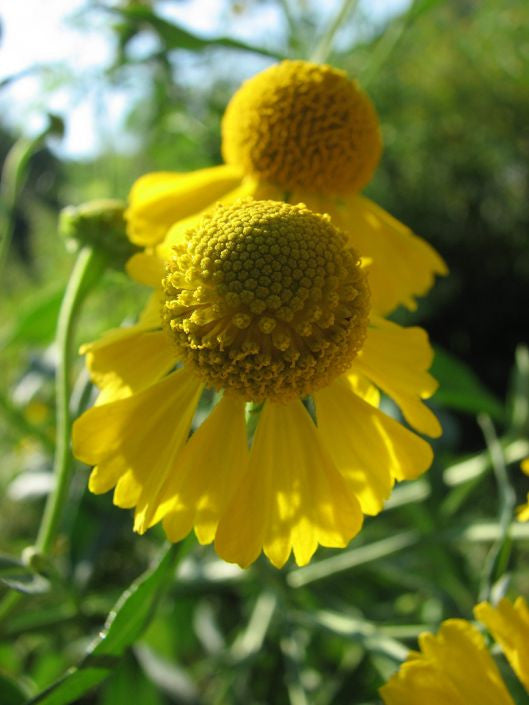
(64, 41)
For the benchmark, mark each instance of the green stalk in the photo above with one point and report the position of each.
(8, 603)
(498, 554)
(324, 47)
(14, 175)
(88, 266)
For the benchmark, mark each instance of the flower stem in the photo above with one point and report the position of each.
(88, 266)
(500, 549)
(324, 47)
(8, 603)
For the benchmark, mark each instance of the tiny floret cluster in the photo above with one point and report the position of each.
(266, 300)
(303, 125)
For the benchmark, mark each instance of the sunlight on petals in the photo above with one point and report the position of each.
(291, 499)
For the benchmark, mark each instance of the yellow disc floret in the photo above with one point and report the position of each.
(266, 300)
(303, 125)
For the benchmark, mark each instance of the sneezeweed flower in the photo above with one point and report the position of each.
(455, 667)
(298, 132)
(267, 303)
(523, 509)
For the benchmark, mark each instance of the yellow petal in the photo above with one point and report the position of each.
(150, 315)
(522, 512)
(509, 625)
(146, 268)
(369, 448)
(133, 441)
(363, 387)
(397, 360)
(149, 320)
(452, 668)
(402, 265)
(176, 234)
(126, 360)
(104, 478)
(160, 199)
(204, 475)
(291, 499)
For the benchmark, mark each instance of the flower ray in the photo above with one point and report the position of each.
(370, 449)
(291, 499)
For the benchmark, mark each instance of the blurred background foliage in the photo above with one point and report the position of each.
(449, 80)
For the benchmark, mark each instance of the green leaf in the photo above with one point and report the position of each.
(175, 37)
(36, 322)
(11, 692)
(40, 620)
(18, 576)
(461, 390)
(129, 684)
(124, 625)
(9, 565)
(29, 584)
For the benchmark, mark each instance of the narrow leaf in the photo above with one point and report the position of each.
(12, 693)
(124, 625)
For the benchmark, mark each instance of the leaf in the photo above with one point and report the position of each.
(29, 584)
(125, 623)
(9, 565)
(129, 684)
(166, 676)
(12, 693)
(176, 37)
(36, 322)
(20, 577)
(461, 390)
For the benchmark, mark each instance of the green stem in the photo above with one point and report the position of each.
(14, 175)
(8, 603)
(13, 178)
(506, 501)
(324, 47)
(87, 268)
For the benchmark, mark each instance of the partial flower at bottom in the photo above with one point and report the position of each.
(268, 304)
(455, 666)
(297, 132)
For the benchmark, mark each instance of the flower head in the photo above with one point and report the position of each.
(303, 133)
(265, 302)
(303, 125)
(454, 667)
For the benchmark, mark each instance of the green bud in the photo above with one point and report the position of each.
(100, 224)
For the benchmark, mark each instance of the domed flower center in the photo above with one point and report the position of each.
(303, 125)
(266, 300)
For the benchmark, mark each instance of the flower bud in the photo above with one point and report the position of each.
(101, 224)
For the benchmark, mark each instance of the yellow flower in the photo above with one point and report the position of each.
(268, 303)
(454, 667)
(523, 509)
(302, 133)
